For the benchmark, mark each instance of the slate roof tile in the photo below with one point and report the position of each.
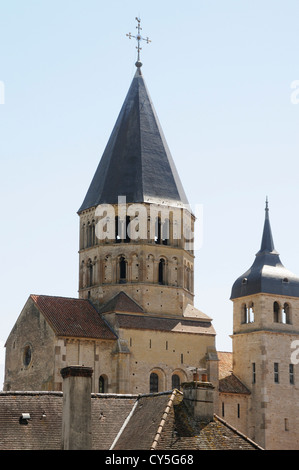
(148, 322)
(157, 421)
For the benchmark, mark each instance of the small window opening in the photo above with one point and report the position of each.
(253, 373)
(276, 372)
(286, 318)
(103, 382)
(291, 374)
(286, 424)
(27, 356)
(276, 312)
(162, 271)
(175, 381)
(158, 231)
(122, 270)
(154, 383)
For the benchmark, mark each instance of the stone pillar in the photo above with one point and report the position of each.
(76, 414)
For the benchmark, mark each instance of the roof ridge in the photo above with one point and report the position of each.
(58, 297)
(164, 417)
(238, 432)
(31, 392)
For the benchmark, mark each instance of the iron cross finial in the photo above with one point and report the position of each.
(139, 38)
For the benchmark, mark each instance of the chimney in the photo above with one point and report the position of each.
(76, 414)
(199, 398)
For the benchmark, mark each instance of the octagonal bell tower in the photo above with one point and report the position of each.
(136, 229)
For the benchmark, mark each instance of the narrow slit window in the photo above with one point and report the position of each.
(253, 373)
(122, 269)
(276, 372)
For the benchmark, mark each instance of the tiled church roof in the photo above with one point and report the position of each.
(73, 317)
(176, 325)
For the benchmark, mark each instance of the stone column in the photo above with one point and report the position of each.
(76, 414)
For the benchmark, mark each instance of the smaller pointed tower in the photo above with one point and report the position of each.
(265, 324)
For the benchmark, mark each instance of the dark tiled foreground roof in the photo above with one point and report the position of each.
(72, 317)
(122, 422)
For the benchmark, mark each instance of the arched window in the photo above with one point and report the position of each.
(165, 232)
(286, 313)
(250, 313)
(103, 384)
(122, 270)
(93, 233)
(276, 312)
(175, 381)
(90, 273)
(117, 230)
(161, 279)
(154, 383)
(89, 235)
(158, 231)
(83, 236)
(244, 314)
(27, 355)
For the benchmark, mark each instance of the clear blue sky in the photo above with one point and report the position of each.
(219, 73)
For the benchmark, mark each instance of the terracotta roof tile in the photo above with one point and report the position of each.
(73, 317)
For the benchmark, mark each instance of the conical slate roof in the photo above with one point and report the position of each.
(267, 274)
(136, 163)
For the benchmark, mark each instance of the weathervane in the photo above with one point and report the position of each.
(138, 38)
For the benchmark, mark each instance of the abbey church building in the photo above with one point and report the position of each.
(135, 323)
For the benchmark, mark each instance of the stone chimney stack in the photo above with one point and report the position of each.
(76, 414)
(199, 398)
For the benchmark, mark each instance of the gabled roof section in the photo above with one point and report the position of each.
(228, 381)
(73, 317)
(137, 162)
(121, 303)
(162, 421)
